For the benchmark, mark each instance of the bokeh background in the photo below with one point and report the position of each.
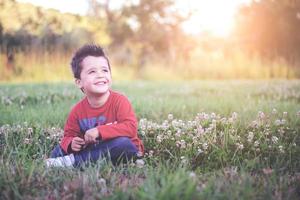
(152, 39)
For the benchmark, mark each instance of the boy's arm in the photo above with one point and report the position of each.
(126, 122)
(71, 130)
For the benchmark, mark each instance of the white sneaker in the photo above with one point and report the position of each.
(65, 161)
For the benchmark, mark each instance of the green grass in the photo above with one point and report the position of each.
(212, 154)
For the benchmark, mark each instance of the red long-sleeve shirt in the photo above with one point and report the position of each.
(113, 119)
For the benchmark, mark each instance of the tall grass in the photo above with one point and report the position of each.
(41, 67)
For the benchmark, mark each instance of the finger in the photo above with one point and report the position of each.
(75, 149)
(77, 146)
(79, 140)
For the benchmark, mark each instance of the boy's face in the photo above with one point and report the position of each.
(95, 77)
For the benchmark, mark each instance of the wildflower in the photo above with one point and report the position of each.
(199, 150)
(298, 113)
(274, 111)
(274, 139)
(281, 149)
(205, 146)
(140, 163)
(27, 141)
(29, 131)
(256, 143)
(169, 133)
(178, 133)
(240, 146)
(267, 133)
(277, 122)
(182, 144)
(234, 116)
(159, 138)
(213, 115)
(261, 115)
(170, 117)
(192, 175)
(285, 114)
(143, 133)
(250, 137)
(294, 144)
(183, 160)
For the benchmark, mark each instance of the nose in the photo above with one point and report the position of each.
(100, 73)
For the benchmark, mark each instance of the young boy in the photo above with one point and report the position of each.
(103, 123)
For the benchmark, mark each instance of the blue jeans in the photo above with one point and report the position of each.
(118, 150)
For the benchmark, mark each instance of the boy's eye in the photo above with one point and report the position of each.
(90, 72)
(105, 70)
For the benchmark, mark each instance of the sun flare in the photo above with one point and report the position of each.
(214, 16)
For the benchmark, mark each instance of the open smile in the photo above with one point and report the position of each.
(101, 83)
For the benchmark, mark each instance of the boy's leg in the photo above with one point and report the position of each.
(117, 149)
(59, 158)
(57, 152)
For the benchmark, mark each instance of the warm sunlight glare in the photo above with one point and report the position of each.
(214, 16)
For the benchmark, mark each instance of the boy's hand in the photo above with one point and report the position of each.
(77, 144)
(91, 135)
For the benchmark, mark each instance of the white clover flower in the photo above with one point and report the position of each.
(214, 123)
(274, 111)
(159, 138)
(177, 143)
(261, 115)
(254, 123)
(143, 133)
(199, 150)
(140, 163)
(274, 139)
(174, 123)
(213, 115)
(234, 116)
(240, 146)
(29, 131)
(285, 114)
(277, 122)
(170, 117)
(250, 136)
(205, 146)
(151, 152)
(281, 149)
(27, 141)
(256, 143)
(169, 133)
(182, 144)
(192, 175)
(230, 120)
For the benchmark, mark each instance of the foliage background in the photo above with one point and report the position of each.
(145, 40)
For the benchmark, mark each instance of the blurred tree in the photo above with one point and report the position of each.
(26, 28)
(143, 29)
(271, 29)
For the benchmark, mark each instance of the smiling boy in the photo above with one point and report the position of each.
(103, 123)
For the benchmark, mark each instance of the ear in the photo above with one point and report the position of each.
(78, 83)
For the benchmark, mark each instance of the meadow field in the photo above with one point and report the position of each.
(225, 139)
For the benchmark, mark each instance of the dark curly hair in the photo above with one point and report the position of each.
(84, 51)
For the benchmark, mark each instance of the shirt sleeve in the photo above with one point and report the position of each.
(71, 130)
(126, 122)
